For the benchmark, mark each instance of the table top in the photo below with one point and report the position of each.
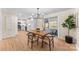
(41, 33)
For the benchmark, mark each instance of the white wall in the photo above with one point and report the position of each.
(61, 17)
(9, 24)
(0, 24)
(77, 37)
(31, 24)
(77, 30)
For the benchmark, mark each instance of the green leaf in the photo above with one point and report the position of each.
(69, 22)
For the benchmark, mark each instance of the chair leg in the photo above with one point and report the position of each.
(49, 45)
(42, 43)
(31, 44)
(53, 43)
(37, 40)
(28, 42)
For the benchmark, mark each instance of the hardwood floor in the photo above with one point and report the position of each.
(19, 43)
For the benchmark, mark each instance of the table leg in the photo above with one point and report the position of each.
(42, 43)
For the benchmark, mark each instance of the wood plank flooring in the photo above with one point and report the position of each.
(19, 43)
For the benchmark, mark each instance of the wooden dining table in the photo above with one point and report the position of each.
(39, 34)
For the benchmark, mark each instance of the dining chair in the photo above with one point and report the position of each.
(31, 39)
(48, 39)
(38, 29)
(37, 36)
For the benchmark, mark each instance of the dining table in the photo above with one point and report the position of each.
(40, 34)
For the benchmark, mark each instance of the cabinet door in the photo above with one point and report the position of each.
(11, 24)
(8, 24)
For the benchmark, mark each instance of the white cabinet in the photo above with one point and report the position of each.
(9, 25)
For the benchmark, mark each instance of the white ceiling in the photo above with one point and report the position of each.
(27, 12)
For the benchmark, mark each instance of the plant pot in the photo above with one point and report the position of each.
(68, 39)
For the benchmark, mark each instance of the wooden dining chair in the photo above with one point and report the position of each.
(31, 39)
(48, 39)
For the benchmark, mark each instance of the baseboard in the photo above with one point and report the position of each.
(9, 36)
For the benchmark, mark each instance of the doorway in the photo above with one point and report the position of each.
(52, 23)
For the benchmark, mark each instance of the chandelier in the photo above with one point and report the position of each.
(39, 15)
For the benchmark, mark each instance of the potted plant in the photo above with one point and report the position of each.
(69, 24)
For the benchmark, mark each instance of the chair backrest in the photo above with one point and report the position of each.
(30, 35)
(51, 31)
(54, 31)
(48, 31)
(38, 29)
(49, 36)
